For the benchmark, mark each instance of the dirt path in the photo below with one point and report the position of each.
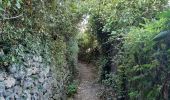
(88, 88)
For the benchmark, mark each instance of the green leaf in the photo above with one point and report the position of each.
(18, 5)
(1, 7)
(9, 4)
(13, 58)
(164, 14)
(162, 35)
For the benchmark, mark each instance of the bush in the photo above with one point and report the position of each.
(144, 63)
(72, 89)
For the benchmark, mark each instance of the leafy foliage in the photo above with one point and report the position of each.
(72, 89)
(145, 61)
(121, 31)
(162, 35)
(125, 30)
(46, 28)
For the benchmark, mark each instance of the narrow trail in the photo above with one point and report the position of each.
(88, 88)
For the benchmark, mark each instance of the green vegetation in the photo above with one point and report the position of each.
(43, 28)
(127, 39)
(72, 88)
(133, 57)
(35, 25)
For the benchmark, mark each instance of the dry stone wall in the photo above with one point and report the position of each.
(32, 79)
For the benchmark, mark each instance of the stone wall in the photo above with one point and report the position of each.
(34, 78)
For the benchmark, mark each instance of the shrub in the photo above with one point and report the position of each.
(72, 89)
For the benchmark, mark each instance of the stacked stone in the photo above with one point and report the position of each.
(30, 80)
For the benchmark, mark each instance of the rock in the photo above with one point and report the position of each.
(29, 71)
(20, 74)
(35, 64)
(41, 74)
(10, 97)
(35, 70)
(40, 96)
(34, 96)
(2, 88)
(51, 79)
(46, 70)
(40, 88)
(50, 93)
(8, 92)
(28, 57)
(36, 82)
(46, 96)
(32, 70)
(9, 82)
(1, 52)
(18, 90)
(41, 79)
(56, 97)
(28, 82)
(28, 63)
(17, 97)
(40, 59)
(13, 68)
(37, 58)
(2, 76)
(2, 98)
(27, 95)
(18, 82)
(34, 90)
(47, 86)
